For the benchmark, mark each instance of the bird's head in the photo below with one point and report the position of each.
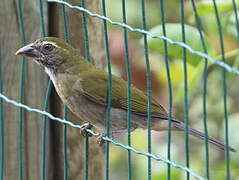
(49, 52)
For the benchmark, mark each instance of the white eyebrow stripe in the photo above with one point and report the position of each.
(47, 42)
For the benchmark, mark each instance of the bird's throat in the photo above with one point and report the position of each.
(51, 74)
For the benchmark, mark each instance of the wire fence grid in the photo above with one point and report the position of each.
(204, 55)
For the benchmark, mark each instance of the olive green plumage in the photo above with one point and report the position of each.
(95, 85)
(84, 89)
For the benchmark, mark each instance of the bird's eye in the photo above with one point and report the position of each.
(47, 47)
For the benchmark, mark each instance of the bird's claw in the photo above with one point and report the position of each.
(100, 141)
(83, 130)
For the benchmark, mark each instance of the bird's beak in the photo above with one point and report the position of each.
(28, 51)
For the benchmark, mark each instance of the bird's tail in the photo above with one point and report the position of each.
(181, 126)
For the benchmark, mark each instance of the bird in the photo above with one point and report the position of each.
(84, 89)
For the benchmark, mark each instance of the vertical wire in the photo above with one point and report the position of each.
(109, 92)
(236, 17)
(44, 130)
(21, 87)
(148, 86)
(46, 101)
(88, 58)
(42, 19)
(65, 107)
(65, 144)
(224, 89)
(1, 120)
(185, 87)
(129, 89)
(65, 23)
(204, 88)
(87, 49)
(86, 157)
(169, 86)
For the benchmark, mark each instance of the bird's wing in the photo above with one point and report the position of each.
(95, 87)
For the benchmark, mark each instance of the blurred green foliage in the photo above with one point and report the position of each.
(195, 65)
(174, 31)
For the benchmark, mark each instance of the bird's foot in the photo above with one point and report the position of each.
(100, 141)
(83, 130)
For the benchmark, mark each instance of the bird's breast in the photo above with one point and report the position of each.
(70, 91)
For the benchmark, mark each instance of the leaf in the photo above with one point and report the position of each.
(230, 24)
(192, 81)
(176, 73)
(114, 11)
(173, 32)
(206, 7)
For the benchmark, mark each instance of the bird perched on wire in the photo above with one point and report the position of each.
(84, 89)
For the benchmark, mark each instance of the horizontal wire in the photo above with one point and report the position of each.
(203, 55)
(15, 103)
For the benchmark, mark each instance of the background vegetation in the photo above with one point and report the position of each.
(215, 113)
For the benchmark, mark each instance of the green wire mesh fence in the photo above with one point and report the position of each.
(146, 34)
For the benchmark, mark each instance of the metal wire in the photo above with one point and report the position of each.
(224, 90)
(145, 34)
(204, 87)
(183, 45)
(65, 107)
(169, 87)
(87, 49)
(185, 87)
(1, 120)
(21, 88)
(236, 18)
(109, 92)
(107, 139)
(129, 89)
(148, 87)
(46, 101)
